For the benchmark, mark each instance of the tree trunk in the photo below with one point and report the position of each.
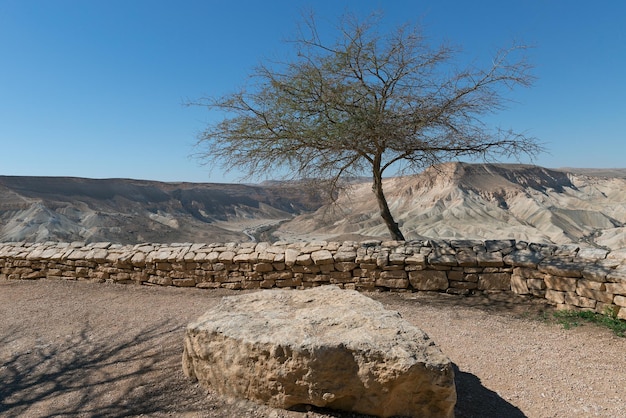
(385, 213)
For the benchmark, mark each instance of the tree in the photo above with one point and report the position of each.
(368, 103)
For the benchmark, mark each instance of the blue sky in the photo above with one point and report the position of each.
(95, 88)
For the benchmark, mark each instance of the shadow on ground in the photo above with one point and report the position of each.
(88, 374)
(475, 400)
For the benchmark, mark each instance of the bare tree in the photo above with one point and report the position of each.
(368, 103)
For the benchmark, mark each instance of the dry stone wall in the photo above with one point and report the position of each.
(568, 276)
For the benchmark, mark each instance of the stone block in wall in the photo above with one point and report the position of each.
(430, 280)
(97, 254)
(292, 282)
(263, 267)
(304, 260)
(320, 257)
(392, 283)
(246, 258)
(494, 281)
(620, 300)
(161, 281)
(435, 259)
(184, 282)
(462, 285)
(345, 266)
(490, 259)
(555, 296)
(621, 314)
(523, 258)
(567, 284)
(528, 273)
(466, 258)
(457, 275)
(471, 277)
(590, 284)
(416, 260)
(596, 272)
(616, 288)
(397, 259)
(502, 245)
(591, 254)
(566, 250)
(572, 298)
(519, 285)
(337, 277)
(618, 275)
(561, 267)
(598, 295)
(306, 269)
(345, 256)
(138, 259)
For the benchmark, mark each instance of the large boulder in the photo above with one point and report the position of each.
(324, 346)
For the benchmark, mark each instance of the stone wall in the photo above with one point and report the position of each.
(568, 276)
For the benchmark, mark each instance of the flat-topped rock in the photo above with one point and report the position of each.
(324, 346)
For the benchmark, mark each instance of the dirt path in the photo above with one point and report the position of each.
(75, 349)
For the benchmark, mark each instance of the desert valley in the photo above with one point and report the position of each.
(454, 200)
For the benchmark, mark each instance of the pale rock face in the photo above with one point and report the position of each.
(323, 346)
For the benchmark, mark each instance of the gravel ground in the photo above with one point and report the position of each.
(79, 349)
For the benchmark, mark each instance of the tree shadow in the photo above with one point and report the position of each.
(88, 374)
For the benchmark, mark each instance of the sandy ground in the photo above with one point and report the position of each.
(77, 349)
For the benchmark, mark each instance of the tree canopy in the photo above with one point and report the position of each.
(369, 103)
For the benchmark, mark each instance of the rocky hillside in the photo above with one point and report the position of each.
(131, 211)
(455, 200)
(483, 201)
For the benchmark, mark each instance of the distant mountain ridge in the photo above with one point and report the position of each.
(132, 211)
(453, 200)
(482, 201)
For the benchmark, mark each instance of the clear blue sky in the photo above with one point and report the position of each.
(95, 88)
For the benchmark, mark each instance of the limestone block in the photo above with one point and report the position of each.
(591, 254)
(618, 275)
(597, 295)
(519, 285)
(392, 281)
(616, 288)
(304, 260)
(442, 259)
(462, 285)
(499, 245)
(590, 284)
(322, 257)
(322, 346)
(345, 256)
(567, 284)
(561, 267)
(466, 258)
(620, 300)
(571, 298)
(263, 267)
(184, 282)
(596, 272)
(555, 296)
(428, 280)
(492, 259)
(345, 266)
(494, 281)
(523, 258)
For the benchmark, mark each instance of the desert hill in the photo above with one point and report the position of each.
(131, 211)
(483, 201)
(454, 200)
